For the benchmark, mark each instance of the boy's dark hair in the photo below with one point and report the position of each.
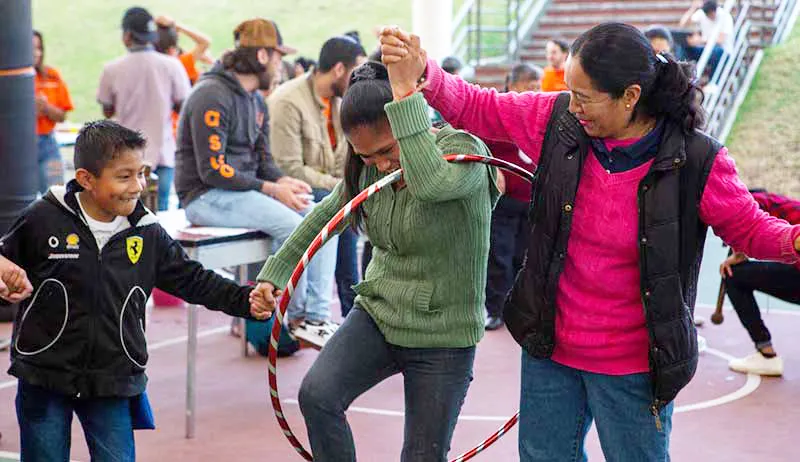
(709, 7)
(342, 49)
(102, 141)
(523, 71)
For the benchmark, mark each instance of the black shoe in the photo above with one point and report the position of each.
(494, 323)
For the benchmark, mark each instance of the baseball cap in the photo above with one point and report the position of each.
(261, 33)
(139, 22)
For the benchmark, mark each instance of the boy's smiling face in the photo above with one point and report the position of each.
(117, 189)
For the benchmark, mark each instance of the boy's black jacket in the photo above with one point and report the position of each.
(81, 333)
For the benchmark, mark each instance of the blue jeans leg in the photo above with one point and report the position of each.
(347, 269)
(554, 414)
(108, 428)
(251, 209)
(627, 429)
(51, 166)
(357, 358)
(45, 423)
(436, 382)
(165, 177)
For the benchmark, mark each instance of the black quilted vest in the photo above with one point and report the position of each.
(671, 238)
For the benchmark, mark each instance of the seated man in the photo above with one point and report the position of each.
(743, 277)
(225, 172)
(709, 17)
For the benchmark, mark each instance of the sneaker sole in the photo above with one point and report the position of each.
(761, 372)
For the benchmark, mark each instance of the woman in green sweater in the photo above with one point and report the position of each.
(419, 309)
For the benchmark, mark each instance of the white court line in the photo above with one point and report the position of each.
(14, 455)
(752, 383)
(728, 307)
(151, 347)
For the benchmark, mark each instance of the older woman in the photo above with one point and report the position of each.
(626, 189)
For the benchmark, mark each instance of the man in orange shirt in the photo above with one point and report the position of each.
(52, 104)
(556, 53)
(167, 43)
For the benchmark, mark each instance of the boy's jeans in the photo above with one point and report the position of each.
(45, 424)
(254, 210)
(558, 404)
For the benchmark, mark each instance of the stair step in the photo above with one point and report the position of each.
(585, 7)
(609, 16)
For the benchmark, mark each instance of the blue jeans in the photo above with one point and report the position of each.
(254, 210)
(507, 244)
(717, 54)
(45, 426)
(51, 167)
(558, 404)
(346, 262)
(165, 177)
(356, 359)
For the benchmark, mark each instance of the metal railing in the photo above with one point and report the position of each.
(757, 25)
(495, 30)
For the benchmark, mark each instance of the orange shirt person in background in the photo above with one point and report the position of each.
(556, 53)
(52, 104)
(167, 43)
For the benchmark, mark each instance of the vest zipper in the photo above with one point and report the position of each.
(654, 411)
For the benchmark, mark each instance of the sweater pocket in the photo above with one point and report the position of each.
(398, 294)
(44, 320)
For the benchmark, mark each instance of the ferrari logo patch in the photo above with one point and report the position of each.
(134, 245)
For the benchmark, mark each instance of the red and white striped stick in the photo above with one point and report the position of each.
(316, 244)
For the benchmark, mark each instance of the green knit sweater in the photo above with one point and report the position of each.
(426, 282)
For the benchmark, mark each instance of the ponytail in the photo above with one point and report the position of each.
(369, 91)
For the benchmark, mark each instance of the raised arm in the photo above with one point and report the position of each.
(427, 175)
(510, 117)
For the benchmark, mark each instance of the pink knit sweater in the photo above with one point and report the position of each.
(600, 324)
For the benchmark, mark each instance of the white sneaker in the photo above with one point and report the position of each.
(756, 363)
(5, 343)
(316, 333)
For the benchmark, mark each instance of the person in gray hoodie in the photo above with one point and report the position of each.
(225, 174)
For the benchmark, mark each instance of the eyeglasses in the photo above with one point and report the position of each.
(584, 100)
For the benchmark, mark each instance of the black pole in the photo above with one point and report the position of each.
(18, 158)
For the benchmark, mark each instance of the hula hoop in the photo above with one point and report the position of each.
(316, 244)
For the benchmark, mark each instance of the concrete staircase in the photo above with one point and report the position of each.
(567, 19)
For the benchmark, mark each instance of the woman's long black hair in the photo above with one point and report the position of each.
(616, 56)
(362, 104)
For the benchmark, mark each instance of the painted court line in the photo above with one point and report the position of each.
(151, 347)
(750, 385)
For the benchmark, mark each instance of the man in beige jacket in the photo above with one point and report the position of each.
(307, 141)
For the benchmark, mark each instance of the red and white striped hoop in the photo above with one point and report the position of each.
(316, 244)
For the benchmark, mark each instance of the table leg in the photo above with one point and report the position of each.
(243, 280)
(191, 371)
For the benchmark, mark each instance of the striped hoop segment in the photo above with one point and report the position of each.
(316, 244)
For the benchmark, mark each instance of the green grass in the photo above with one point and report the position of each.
(765, 140)
(81, 35)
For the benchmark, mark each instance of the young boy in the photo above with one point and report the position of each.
(93, 254)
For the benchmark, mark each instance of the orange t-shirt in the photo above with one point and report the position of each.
(553, 80)
(50, 85)
(187, 59)
(326, 111)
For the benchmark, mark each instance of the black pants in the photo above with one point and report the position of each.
(509, 236)
(776, 279)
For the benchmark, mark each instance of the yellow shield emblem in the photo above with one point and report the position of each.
(134, 246)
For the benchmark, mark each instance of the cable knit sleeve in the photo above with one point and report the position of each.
(519, 118)
(734, 215)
